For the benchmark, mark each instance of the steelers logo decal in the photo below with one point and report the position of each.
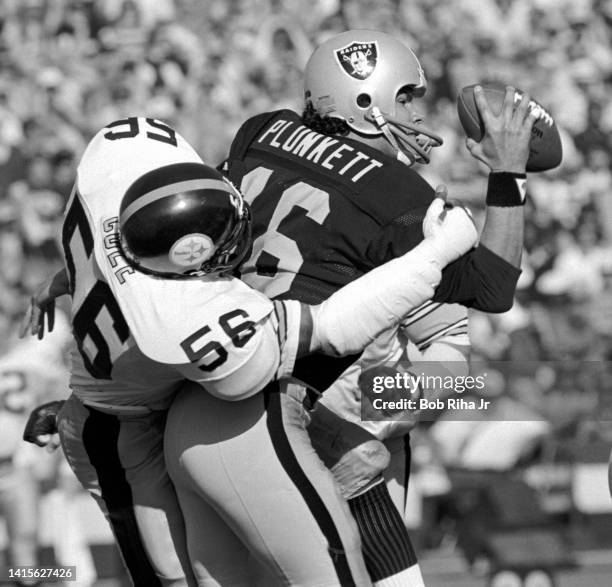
(191, 249)
(358, 59)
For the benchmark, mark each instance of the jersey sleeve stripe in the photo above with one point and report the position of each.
(306, 330)
(281, 317)
(421, 307)
(288, 315)
(422, 311)
(458, 328)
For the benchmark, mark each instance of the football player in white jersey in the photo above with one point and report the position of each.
(151, 307)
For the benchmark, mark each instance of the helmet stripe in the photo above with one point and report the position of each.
(171, 189)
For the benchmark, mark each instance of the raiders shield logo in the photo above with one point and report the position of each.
(358, 59)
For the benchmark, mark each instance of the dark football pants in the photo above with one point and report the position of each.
(119, 460)
(250, 483)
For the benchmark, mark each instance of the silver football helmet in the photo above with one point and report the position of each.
(356, 76)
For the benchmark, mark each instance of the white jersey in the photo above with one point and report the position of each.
(140, 336)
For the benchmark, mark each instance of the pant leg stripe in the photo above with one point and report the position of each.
(289, 462)
(407, 465)
(100, 440)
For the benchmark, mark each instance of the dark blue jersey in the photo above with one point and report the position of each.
(328, 209)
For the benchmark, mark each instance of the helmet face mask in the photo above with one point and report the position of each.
(412, 140)
(184, 221)
(356, 76)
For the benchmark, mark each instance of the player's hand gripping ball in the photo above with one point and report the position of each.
(545, 151)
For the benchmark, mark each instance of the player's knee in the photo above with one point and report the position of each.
(361, 465)
(373, 455)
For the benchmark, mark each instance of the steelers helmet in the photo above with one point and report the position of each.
(184, 220)
(356, 77)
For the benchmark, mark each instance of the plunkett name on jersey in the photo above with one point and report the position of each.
(326, 151)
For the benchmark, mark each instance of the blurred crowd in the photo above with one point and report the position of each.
(68, 67)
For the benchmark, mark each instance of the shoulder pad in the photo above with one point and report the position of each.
(392, 190)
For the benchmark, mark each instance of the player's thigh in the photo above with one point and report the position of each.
(120, 463)
(253, 463)
(217, 555)
(156, 508)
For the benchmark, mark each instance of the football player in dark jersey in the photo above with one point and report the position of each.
(334, 194)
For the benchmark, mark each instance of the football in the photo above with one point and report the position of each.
(545, 151)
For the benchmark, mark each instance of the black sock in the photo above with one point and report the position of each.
(387, 549)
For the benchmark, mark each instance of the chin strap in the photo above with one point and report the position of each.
(415, 144)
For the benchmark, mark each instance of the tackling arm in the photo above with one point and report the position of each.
(357, 313)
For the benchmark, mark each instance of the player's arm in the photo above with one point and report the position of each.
(504, 149)
(480, 279)
(42, 304)
(357, 313)
(343, 324)
(490, 273)
(486, 277)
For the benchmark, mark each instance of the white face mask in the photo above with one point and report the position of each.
(404, 134)
(403, 158)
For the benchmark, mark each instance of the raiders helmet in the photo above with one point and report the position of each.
(356, 76)
(184, 220)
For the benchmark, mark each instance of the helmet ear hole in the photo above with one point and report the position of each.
(364, 100)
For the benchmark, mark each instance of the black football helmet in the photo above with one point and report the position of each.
(184, 220)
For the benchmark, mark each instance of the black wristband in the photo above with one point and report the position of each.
(506, 189)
